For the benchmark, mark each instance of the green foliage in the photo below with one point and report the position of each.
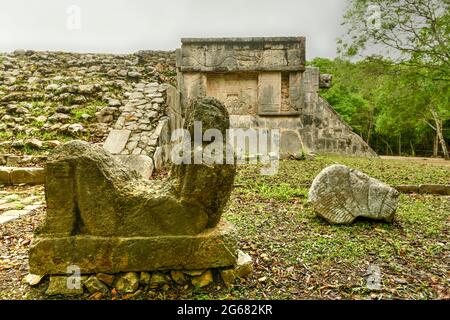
(412, 101)
(4, 135)
(416, 32)
(386, 103)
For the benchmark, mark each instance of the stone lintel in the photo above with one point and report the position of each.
(213, 248)
(243, 40)
(281, 113)
(243, 69)
(277, 54)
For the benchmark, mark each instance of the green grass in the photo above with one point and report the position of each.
(274, 220)
(282, 191)
(5, 135)
(295, 173)
(78, 112)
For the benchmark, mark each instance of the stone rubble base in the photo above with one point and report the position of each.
(132, 284)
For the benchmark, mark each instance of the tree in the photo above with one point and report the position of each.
(415, 33)
(411, 104)
(352, 95)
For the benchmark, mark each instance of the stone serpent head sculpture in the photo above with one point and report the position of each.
(89, 192)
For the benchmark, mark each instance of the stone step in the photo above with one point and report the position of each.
(21, 175)
(11, 215)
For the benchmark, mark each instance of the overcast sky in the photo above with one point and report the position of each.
(123, 26)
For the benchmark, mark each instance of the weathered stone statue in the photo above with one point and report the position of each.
(340, 195)
(102, 217)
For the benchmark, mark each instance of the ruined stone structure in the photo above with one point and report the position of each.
(102, 217)
(264, 84)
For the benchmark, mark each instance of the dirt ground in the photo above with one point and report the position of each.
(431, 161)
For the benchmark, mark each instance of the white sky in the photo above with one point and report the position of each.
(123, 26)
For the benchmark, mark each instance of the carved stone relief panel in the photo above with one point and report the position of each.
(269, 93)
(239, 92)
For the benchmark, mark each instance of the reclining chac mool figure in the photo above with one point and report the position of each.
(105, 218)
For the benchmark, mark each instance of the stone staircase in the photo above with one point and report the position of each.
(140, 138)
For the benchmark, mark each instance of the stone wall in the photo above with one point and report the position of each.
(323, 130)
(50, 97)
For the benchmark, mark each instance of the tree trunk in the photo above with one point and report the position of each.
(436, 145)
(369, 131)
(439, 133)
(388, 147)
(400, 144)
(413, 153)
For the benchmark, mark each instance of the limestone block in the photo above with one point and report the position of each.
(30, 176)
(13, 161)
(311, 80)
(203, 280)
(32, 279)
(93, 285)
(290, 143)
(273, 122)
(162, 132)
(295, 90)
(194, 85)
(158, 158)
(60, 285)
(173, 109)
(325, 80)
(4, 218)
(435, 189)
(244, 265)
(407, 188)
(238, 91)
(178, 277)
(116, 141)
(212, 248)
(228, 276)
(243, 121)
(127, 283)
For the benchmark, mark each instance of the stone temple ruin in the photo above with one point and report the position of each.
(264, 83)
